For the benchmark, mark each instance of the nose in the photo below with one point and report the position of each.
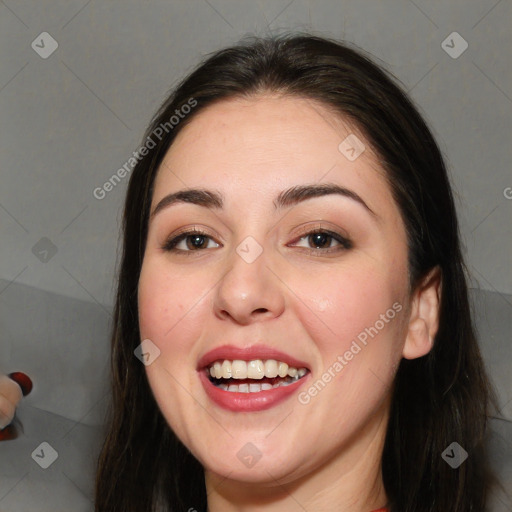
(249, 291)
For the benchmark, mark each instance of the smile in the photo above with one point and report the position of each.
(239, 376)
(252, 378)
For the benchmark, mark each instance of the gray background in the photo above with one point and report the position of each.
(69, 121)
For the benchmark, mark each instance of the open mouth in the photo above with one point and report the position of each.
(252, 376)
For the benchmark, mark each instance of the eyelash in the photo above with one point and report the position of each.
(170, 245)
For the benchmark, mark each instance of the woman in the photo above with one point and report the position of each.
(292, 268)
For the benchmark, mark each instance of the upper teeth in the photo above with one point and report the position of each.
(256, 369)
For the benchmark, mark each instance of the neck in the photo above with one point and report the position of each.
(350, 481)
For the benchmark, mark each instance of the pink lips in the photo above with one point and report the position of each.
(258, 351)
(248, 402)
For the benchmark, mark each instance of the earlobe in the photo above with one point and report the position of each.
(419, 340)
(424, 318)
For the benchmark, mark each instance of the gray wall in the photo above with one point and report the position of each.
(70, 120)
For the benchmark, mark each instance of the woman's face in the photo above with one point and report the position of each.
(333, 303)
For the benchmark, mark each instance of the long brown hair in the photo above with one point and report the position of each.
(438, 399)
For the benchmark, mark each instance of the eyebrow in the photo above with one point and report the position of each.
(214, 200)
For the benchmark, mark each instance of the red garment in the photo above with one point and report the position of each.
(381, 510)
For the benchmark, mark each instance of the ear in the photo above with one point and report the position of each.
(424, 316)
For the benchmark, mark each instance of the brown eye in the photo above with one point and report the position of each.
(321, 241)
(193, 241)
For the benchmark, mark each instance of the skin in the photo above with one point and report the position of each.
(323, 455)
(10, 396)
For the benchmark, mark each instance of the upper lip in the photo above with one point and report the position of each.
(257, 351)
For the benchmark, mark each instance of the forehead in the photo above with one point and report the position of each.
(270, 142)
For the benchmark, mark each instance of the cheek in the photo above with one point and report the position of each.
(338, 308)
(168, 303)
(354, 319)
(169, 309)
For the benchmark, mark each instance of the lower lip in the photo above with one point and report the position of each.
(249, 402)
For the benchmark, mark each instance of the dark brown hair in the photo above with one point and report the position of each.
(437, 399)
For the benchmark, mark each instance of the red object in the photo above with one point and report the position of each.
(248, 402)
(23, 380)
(8, 433)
